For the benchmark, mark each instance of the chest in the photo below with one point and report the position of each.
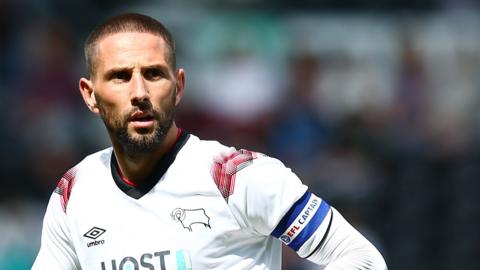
(171, 227)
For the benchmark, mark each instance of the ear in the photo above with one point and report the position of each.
(87, 91)
(180, 76)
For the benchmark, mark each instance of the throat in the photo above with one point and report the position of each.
(136, 176)
(133, 171)
(125, 179)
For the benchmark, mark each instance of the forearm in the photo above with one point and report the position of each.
(343, 247)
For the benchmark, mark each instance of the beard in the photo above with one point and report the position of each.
(143, 141)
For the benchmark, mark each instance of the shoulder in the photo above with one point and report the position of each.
(199, 146)
(222, 156)
(226, 164)
(247, 170)
(92, 163)
(199, 152)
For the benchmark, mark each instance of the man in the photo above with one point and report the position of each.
(161, 198)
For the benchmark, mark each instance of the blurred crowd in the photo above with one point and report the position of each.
(377, 110)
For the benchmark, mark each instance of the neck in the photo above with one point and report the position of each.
(137, 168)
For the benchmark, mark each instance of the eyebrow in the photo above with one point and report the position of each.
(163, 68)
(114, 70)
(110, 72)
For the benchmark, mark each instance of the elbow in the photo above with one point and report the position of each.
(372, 259)
(377, 261)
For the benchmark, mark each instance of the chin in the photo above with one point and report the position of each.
(142, 141)
(142, 144)
(144, 138)
(142, 132)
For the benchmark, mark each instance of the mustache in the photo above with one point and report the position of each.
(135, 113)
(141, 108)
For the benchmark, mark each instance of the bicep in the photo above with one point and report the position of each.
(56, 249)
(306, 223)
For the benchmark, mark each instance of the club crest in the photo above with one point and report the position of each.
(188, 217)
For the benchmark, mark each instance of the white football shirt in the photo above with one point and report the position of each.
(205, 206)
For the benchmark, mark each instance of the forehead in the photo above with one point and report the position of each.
(131, 47)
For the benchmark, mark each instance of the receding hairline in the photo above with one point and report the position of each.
(127, 23)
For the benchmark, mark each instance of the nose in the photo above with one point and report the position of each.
(139, 91)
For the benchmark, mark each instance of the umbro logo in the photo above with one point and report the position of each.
(94, 233)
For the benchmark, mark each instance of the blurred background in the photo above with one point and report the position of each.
(374, 104)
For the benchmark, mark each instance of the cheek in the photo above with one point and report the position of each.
(112, 113)
(111, 102)
(169, 103)
(165, 101)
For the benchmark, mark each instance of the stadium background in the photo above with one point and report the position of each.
(375, 105)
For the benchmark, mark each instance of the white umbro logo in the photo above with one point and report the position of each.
(94, 233)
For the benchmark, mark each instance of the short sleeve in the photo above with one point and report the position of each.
(267, 198)
(259, 189)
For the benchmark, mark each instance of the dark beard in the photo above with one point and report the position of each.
(143, 144)
(148, 143)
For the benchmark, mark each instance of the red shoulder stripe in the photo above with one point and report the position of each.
(64, 187)
(225, 168)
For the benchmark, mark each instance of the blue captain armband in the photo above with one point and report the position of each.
(302, 221)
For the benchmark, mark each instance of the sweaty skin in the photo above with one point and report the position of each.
(135, 91)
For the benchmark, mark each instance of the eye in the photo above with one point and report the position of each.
(153, 74)
(123, 76)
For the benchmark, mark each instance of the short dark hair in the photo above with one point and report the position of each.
(128, 22)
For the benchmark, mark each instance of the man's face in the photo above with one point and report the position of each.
(135, 90)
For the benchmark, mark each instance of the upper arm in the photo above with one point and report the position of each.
(269, 199)
(259, 190)
(56, 248)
